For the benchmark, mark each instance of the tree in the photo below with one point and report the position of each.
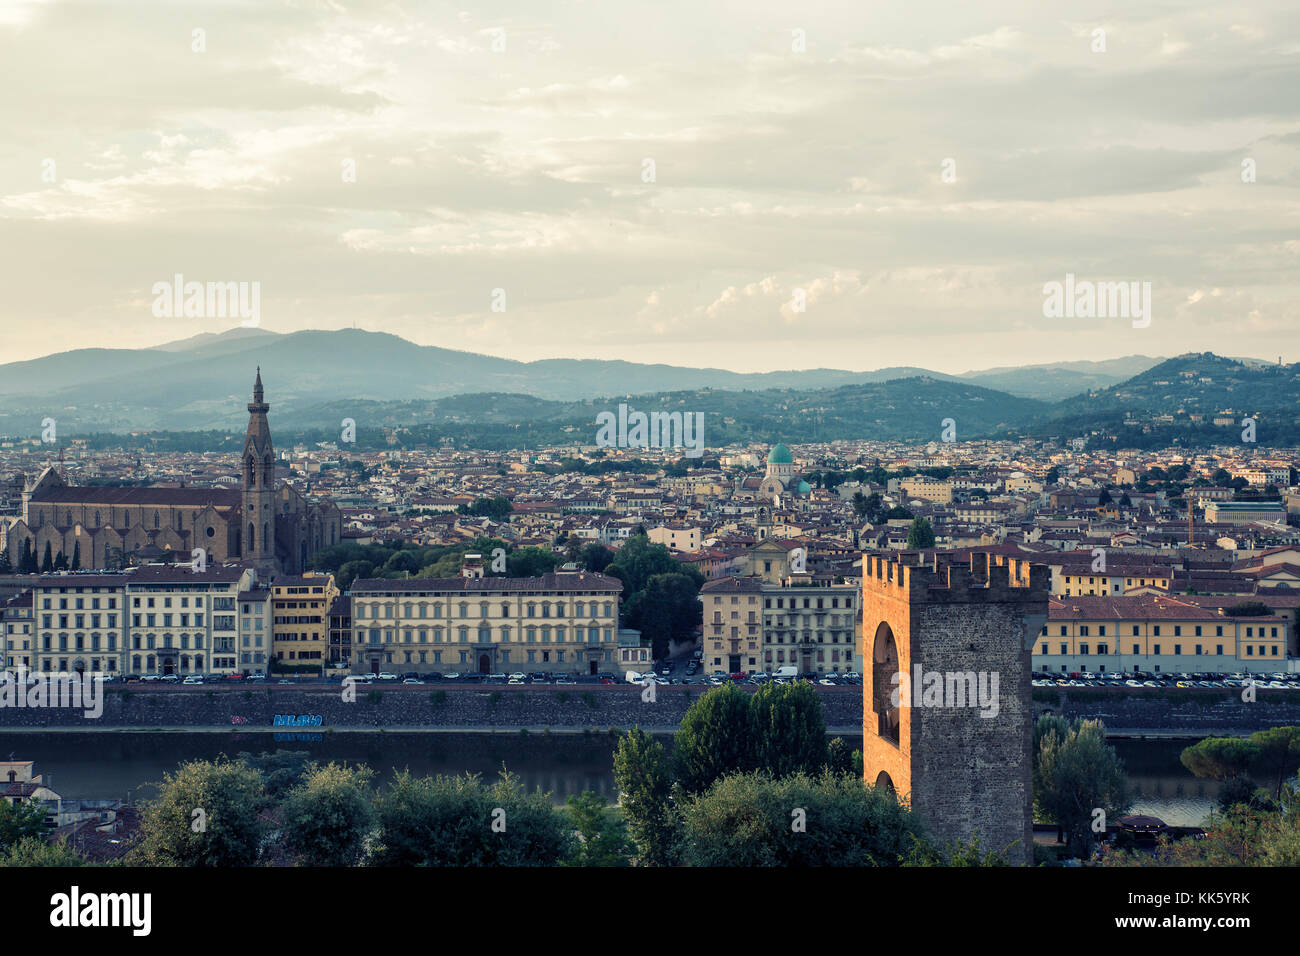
(717, 737)
(351, 571)
(1226, 759)
(790, 731)
(1125, 501)
(602, 834)
(920, 534)
(19, 820)
(1080, 773)
(898, 511)
(751, 819)
(281, 771)
(644, 780)
(667, 610)
(325, 820)
(47, 562)
(639, 560)
(34, 851)
(1104, 498)
(1278, 749)
(29, 559)
(6, 566)
(206, 814)
(595, 557)
(76, 557)
(457, 821)
(531, 562)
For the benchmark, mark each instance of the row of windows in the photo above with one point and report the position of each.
(79, 604)
(484, 635)
(1265, 650)
(1178, 630)
(531, 609)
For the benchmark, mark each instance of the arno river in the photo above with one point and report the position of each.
(113, 765)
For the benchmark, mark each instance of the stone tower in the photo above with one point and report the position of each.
(946, 710)
(257, 533)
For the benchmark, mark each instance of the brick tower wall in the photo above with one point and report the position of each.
(964, 773)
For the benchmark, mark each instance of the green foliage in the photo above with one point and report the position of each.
(667, 609)
(750, 819)
(789, 729)
(1078, 773)
(326, 819)
(34, 851)
(644, 780)
(231, 796)
(602, 838)
(920, 534)
(717, 737)
(956, 853)
(457, 821)
(19, 820)
(495, 508)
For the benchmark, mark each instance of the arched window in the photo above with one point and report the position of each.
(97, 523)
(252, 542)
(155, 520)
(883, 686)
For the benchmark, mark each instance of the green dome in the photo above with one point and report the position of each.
(805, 488)
(780, 455)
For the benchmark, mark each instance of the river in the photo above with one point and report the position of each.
(125, 764)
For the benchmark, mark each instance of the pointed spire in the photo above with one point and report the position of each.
(257, 387)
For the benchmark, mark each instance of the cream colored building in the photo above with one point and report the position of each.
(566, 621)
(752, 627)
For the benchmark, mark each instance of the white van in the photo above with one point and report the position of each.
(786, 672)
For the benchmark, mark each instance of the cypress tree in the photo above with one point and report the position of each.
(47, 562)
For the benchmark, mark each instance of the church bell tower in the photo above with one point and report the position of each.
(257, 535)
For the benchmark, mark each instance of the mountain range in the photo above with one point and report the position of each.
(315, 378)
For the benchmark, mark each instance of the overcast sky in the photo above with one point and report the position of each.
(775, 170)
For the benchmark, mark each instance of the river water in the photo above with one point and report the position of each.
(123, 765)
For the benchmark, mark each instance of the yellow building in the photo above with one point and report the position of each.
(300, 620)
(1157, 634)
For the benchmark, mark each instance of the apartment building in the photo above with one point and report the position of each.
(17, 631)
(564, 621)
(182, 621)
(1158, 634)
(300, 608)
(255, 630)
(752, 626)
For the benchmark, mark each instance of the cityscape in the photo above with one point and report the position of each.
(457, 441)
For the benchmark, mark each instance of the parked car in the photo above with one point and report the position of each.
(385, 675)
(412, 680)
(191, 681)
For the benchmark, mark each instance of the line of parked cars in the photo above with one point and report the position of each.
(455, 677)
(1278, 681)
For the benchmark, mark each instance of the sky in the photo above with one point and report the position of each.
(744, 185)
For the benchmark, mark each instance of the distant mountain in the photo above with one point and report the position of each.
(315, 378)
(1181, 396)
(201, 382)
(1059, 380)
(234, 338)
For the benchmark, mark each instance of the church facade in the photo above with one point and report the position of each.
(272, 527)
